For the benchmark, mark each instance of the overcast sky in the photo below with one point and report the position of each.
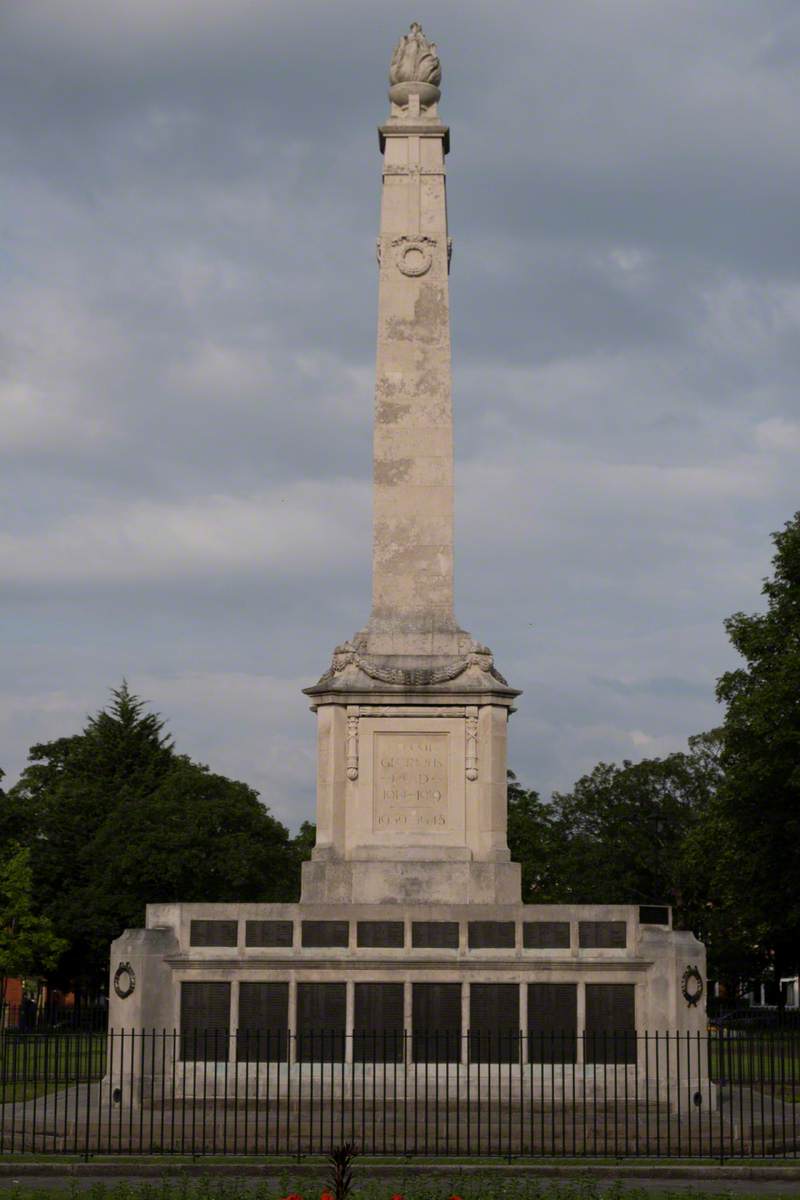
(190, 195)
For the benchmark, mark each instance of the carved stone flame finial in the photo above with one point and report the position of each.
(415, 67)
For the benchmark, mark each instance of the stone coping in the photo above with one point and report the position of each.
(341, 965)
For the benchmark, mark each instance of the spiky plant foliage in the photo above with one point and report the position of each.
(340, 1162)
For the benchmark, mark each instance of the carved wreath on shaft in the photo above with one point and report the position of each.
(414, 255)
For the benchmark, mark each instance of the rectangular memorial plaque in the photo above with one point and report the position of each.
(378, 1022)
(545, 935)
(494, 1022)
(436, 1022)
(325, 933)
(268, 933)
(552, 1022)
(434, 935)
(602, 935)
(491, 935)
(653, 914)
(263, 1030)
(205, 1021)
(321, 1022)
(380, 933)
(610, 1023)
(410, 783)
(213, 933)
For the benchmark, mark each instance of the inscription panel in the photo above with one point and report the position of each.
(653, 914)
(411, 783)
(602, 935)
(545, 935)
(213, 933)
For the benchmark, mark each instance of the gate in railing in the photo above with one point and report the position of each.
(270, 1093)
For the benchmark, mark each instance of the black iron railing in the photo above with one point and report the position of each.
(510, 1094)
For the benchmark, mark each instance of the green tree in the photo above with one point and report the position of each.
(623, 828)
(303, 842)
(758, 816)
(117, 819)
(535, 843)
(28, 943)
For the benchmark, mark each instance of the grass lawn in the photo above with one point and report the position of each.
(765, 1060)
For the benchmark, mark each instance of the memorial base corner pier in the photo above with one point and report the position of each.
(410, 966)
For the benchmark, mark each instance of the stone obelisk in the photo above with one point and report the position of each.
(412, 715)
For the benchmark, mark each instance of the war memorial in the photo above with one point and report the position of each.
(410, 956)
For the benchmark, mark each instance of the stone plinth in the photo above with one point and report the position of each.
(579, 948)
(411, 791)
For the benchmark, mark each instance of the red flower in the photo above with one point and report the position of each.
(397, 1196)
(326, 1196)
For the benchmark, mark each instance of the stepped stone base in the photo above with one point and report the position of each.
(411, 882)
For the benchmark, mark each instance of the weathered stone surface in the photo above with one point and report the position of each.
(412, 715)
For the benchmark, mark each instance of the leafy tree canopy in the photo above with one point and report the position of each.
(115, 818)
(759, 811)
(28, 944)
(622, 828)
(535, 842)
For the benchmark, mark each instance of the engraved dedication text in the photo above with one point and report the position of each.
(410, 782)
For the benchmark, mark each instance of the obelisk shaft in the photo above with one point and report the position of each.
(412, 594)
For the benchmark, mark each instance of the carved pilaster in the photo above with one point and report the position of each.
(352, 742)
(472, 742)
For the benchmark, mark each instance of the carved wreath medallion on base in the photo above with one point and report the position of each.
(124, 980)
(692, 986)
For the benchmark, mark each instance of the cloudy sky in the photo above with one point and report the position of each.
(190, 195)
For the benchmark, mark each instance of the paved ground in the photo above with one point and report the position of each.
(690, 1185)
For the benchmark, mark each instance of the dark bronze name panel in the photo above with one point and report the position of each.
(268, 933)
(321, 1022)
(262, 1035)
(653, 914)
(610, 1023)
(436, 1022)
(552, 1022)
(494, 1022)
(213, 933)
(378, 1022)
(602, 935)
(545, 935)
(388, 934)
(491, 935)
(326, 933)
(434, 935)
(205, 1021)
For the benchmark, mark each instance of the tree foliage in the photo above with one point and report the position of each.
(115, 818)
(622, 828)
(758, 816)
(28, 944)
(533, 838)
(638, 833)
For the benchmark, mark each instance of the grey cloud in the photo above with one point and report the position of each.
(187, 331)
